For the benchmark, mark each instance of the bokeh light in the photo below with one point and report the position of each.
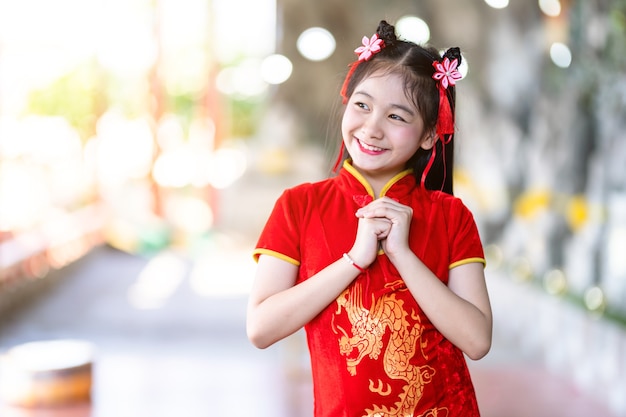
(594, 298)
(157, 281)
(276, 69)
(243, 80)
(131, 48)
(550, 7)
(497, 4)
(414, 29)
(316, 44)
(42, 168)
(125, 149)
(560, 55)
(243, 28)
(227, 166)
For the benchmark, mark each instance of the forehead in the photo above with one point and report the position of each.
(386, 86)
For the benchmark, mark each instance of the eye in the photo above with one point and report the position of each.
(361, 105)
(396, 117)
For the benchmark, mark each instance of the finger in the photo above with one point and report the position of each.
(373, 209)
(383, 211)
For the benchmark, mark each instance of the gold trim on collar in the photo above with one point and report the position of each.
(394, 180)
(347, 164)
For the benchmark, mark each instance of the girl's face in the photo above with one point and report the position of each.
(381, 128)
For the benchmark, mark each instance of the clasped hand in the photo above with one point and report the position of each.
(383, 222)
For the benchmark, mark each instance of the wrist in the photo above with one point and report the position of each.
(394, 256)
(351, 261)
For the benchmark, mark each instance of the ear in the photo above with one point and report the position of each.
(428, 141)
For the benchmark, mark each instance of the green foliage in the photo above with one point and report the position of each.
(75, 96)
(616, 48)
(245, 116)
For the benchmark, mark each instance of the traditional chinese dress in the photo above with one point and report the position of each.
(373, 351)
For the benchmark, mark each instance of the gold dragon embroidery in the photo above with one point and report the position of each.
(368, 329)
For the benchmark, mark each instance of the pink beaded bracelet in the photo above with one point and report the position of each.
(349, 259)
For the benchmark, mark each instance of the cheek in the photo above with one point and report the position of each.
(348, 122)
(410, 139)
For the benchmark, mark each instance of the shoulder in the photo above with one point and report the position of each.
(439, 197)
(300, 196)
(308, 188)
(449, 204)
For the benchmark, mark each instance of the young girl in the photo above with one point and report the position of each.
(381, 264)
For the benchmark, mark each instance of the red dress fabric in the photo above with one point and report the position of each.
(373, 351)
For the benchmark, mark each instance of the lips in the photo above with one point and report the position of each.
(369, 148)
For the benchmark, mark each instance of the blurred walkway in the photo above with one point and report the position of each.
(179, 348)
(190, 357)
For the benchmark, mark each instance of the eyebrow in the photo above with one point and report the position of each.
(397, 106)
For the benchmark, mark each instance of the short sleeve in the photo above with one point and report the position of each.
(281, 235)
(463, 236)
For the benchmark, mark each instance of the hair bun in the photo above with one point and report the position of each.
(386, 32)
(453, 53)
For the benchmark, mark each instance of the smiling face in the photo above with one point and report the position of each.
(382, 129)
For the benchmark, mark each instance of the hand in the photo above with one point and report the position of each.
(369, 233)
(396, 240)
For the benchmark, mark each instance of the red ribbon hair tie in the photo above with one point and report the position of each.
(446, 74)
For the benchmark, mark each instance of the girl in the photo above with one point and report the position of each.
(381, 264)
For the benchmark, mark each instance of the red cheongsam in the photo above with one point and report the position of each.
(373, 351)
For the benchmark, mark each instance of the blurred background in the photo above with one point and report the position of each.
(144, 142)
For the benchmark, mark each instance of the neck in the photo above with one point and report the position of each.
(378, 185)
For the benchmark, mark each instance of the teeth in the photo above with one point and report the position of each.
(371, 148)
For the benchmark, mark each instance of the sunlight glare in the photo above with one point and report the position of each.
(125, 148)
(243, 80)
(175, 168)
(223, 274)
(243, 28)
(157, 281)
(189, 214)
(227, 166)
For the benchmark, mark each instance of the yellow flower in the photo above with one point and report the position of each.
(577, 212)
(531, 203)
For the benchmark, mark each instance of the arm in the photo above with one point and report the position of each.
(461, 310)
(278, 306)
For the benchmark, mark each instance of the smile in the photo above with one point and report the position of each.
(369, 148)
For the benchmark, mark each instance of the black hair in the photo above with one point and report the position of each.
(414, 63)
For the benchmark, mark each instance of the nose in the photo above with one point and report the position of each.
(371, 127)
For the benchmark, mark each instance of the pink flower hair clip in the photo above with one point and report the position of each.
(446, 72)
(370, 47)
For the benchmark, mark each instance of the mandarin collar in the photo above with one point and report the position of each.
(397, 187)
